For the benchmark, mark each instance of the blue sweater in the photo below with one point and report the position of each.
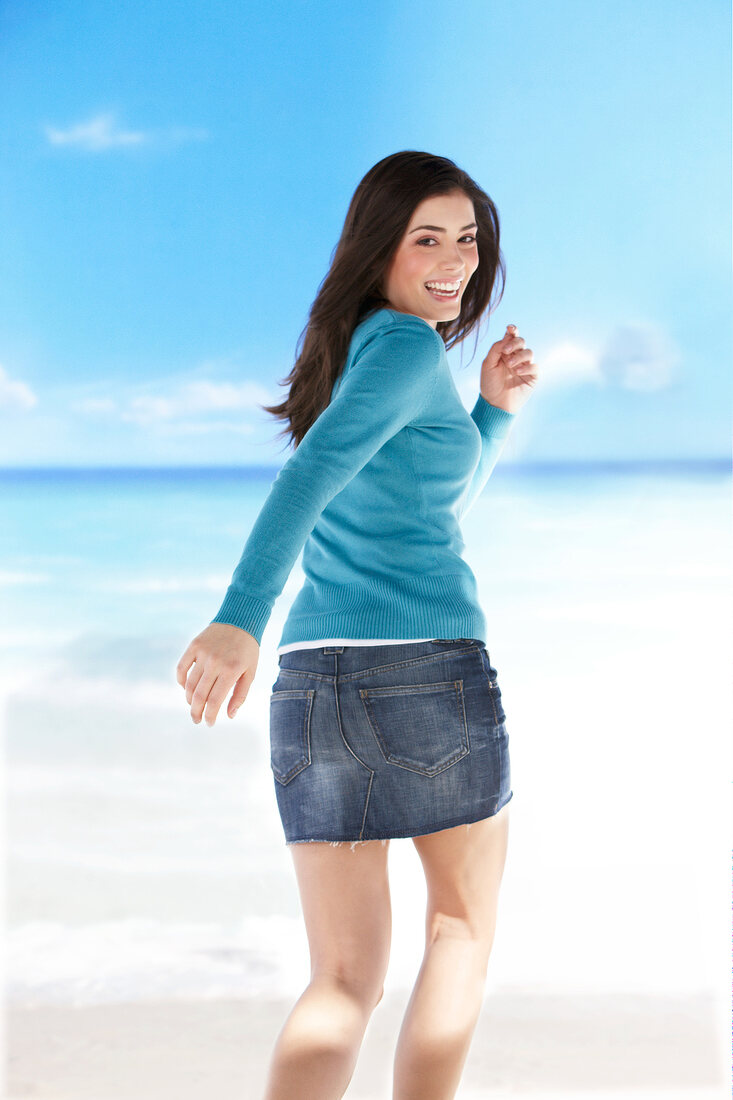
(373, 495)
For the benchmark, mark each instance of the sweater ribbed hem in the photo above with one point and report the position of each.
(440, 606)
(247, 612)
(491, 420)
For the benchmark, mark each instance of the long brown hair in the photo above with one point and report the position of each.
(376, 222)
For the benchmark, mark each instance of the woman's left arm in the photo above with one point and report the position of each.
(494, 424)
(508, 376)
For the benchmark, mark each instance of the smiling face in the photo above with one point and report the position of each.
(438, 247)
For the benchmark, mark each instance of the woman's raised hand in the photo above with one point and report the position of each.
(223, 656)
(508, 374)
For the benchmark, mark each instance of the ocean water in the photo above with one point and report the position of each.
(144, 854)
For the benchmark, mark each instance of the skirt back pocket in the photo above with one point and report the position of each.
(419, 727)
(290, 729)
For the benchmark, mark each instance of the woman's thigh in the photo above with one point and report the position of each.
(463, 870)
(345, 899)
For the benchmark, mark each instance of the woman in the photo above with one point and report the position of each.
(386, 717)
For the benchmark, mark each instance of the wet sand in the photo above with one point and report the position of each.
(534, 1045)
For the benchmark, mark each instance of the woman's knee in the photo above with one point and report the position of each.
(475, 924)
(365, 988)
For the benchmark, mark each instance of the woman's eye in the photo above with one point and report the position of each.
(428, 240)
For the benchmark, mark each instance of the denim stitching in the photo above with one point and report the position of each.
(492, 685)
(461, 697)
(366, 806)
(348, 746)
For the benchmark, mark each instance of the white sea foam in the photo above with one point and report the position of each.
(134, 862)
(141, 959)
(10, 579)
(176, 784)
(106, 691)
(213, 583)
(22, 636)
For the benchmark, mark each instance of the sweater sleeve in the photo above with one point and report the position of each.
(388, 384)
(494, 425)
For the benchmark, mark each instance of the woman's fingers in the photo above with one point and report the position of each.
(521, 363)
(212, 688)
(194, 678)
(216, 696)
(200, 696)
(241, 690)
(185, 663)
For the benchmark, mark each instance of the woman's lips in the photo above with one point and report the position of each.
(443, 297)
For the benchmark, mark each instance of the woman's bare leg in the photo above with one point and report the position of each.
(345, 899)
(463, 869)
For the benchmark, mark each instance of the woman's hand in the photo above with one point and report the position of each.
(222, 655)
(508, 374)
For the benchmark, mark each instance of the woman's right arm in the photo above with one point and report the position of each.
(390, 381)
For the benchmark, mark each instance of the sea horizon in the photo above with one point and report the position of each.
(665, 464)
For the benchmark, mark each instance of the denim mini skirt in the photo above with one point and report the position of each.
(396, 740)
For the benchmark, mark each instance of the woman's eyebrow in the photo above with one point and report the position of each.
(438, 229)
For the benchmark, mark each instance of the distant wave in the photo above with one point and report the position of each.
(665, 467)
(140, 959)
(168, 584)
(9, 579)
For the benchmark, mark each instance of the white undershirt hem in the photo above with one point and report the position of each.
(349, 641)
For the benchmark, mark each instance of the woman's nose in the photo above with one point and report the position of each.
(452, 261)
(452, 271)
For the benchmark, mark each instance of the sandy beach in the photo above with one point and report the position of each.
(539, 1046)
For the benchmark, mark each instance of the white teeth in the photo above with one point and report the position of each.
(445, 286)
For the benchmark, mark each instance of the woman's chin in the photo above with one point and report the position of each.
(444, 311)
(448, 314)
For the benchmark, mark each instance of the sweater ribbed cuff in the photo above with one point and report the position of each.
(247, 612)
(490, 420)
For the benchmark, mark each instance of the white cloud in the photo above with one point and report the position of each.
(178, 406)
(639, 357)
(143, 410)
(634, 357)
(102, 132)
(569, 363)
(98, 133)
(196, 398)
(15, 395)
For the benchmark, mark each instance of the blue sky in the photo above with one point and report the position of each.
(158, 157)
